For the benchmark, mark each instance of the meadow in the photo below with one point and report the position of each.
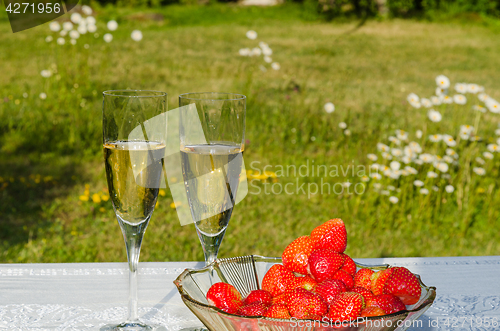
(54, 203)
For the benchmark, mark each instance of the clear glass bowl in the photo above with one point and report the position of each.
(246, 273)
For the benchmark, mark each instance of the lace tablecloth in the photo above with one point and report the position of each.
(87, 296)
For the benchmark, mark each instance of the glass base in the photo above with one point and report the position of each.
(194, 329)
(132, 326)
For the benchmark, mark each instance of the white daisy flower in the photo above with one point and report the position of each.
(82, 29)
(86, 46)
(136, 35)
(342, 125)
(25, 95)
(461, 88)
(60, 41)
(412, 97)
(498, 141)
(67, 26)
(483, 97)
(435, 188)
(63, 33)
(479, 171)
(449, 141)
(245, 51)
(372, 157)
(54, 26)
(275, 66)
(112, 25)
(447, 99)
(43, 96)
(475, 138)
(375, 166)
(418, 161)
(424, 191)
(91, 28)
(452, 153)
(493, 148)
(382, 147)
(48, 39)
(440, 92)
(493, 105)
(418, 134)
(432, 174)
(426, 157)
(436, 101)
(329, 108)
(365, 179)
(394, 140)
(73, 41)
(313, 138)
(391, 188)
(460, 99)
(86, 10)
(418, 183)
(480, 160)
(76, 18)
(397, 152)
(376, 176)
(251, 34)
(395, 165)
(263, 44)
(488, 155)
(442, 81)
(415, 147)
(90, 20)
(411, 170)
(256, 51)
(393, 199)
(346, 184)
(435, 138)
(426, 102)
(402, 135)
(449, 188)
(448, 159)
(434, 116)
(386, 156)
(267, 51)
(377, 186)
(394, 174)
(443, 167)
(473, 88)
(108, 37)
(73, 34)
(446, 176)
(466, 128)
(347, 132)
(46, 73)
(497, 132)
(385, 192)
(268, 59)
(406, 159)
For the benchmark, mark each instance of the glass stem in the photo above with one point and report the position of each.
(133, 234)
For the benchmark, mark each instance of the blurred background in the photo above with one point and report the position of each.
(396, 98)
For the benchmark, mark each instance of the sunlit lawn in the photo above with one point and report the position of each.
(50, 148)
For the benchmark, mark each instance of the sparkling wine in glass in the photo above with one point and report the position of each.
(212, 131)
(134, 125)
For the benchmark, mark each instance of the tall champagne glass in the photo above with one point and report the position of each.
(134, 124)
(212, 133)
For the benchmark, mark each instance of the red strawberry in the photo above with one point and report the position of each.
(331, 234)
(282, 298)
(387, 302)
(225, 297)
(403, 284)
(278, 311)
(378, 280)
(372, 311)
(305, 282)
(277, 280)
(347, 306)
(296, 255)
(367, 294)
(345, 277)
(304, 304)
(349, 265)
(261, 296)
(253, 309)
(362, 278)
(329, 289)
(324, 263)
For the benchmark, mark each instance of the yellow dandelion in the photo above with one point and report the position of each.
(270, 174)
(104, 197)
(22, 179)
(37, 180)
(86, 192)
(102, 209)
(156, 204)
(249, 172)
(174, 205)
(162, 192)
(47, 179)
(480, 190)
(17, 101)
(87, 186)
(84, 198)
(74, 233)
(262, 177)
(96, 198)
(275, 180)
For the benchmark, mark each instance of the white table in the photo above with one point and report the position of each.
(86, 296)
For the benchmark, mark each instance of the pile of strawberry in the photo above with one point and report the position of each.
(318, 281)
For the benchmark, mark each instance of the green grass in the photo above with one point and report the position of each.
(50, 149)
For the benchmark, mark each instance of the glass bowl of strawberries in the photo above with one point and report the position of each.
(313, 286)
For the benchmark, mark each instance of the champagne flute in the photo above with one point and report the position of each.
(134, 125)
(212, 133)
